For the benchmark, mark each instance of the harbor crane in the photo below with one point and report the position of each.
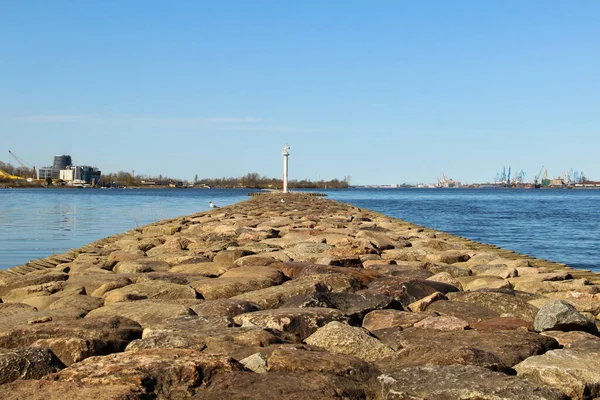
(537, 177)
(24, 164)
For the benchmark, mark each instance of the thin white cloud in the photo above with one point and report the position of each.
(83, 119)
(63, 118)
(217, 123)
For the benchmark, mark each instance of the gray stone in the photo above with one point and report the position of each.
(560, 315)
(257, 362)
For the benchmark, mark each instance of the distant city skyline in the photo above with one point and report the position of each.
(386, 92)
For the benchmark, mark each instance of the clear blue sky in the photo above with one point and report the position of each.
(384, 91)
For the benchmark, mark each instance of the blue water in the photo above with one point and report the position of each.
(559, 225)
(36, 223)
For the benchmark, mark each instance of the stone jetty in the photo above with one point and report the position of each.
(305, 298)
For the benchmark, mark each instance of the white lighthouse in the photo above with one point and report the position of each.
(286, 154)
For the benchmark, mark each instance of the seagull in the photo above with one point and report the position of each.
(212, 205)
(282, 200)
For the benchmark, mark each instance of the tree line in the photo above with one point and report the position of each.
(10, 169)
(251, 180)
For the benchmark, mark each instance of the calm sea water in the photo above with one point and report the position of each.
(559, 225)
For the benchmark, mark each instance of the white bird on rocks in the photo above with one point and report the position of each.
(282, 200)
(212, 205)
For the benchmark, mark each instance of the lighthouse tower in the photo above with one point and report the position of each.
(286, 154)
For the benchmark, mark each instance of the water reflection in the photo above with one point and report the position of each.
(36, 223)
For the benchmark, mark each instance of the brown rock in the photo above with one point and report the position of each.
(502, 323)
(75, 341)
(207, 269)
(7, 309)
(32, 280)
(354, 305)
(144, 312)
(384, 319)
(573, 371)
(278, 385)
(27, 363)
(262, 259)
(503, 303)
(273, 297)
(499, 270)
(574, 339)
(460, 382)
(79, 301)
(229, 256)
(162, 373)
(485, 282)
(298, 322)
(51, 390)
(510, 347)
(468, 311)
(19, 294)
(443, 323)
(422, 304)
(449, 257)
(141, 265)
(337, 337)
(229, 286)
(403, 291)
(158, 290)
(108, 286)
(224, 307)
(300, 361)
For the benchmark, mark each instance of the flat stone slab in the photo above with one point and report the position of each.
(460, 382)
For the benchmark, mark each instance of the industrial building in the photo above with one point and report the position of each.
(63, 169)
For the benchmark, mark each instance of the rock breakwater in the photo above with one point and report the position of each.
(305, 298)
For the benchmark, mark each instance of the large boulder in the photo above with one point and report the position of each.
(79, 301)
(284, 385)
(575, 371)
(237, 281)
(403, 291)
(505, 304)
(144, 312)
(337, 337)
(52, 390)
(7, 309)
(27, 363)
(158, 290)
(237, 342)
(460, 382)
(297, 360)
(156, 373)
(436, 347)
(562, 316)
(354, 305)
(224, 308)
(297, 322)
(76, 340)
(33, 280)
(275, 296)
(468, 311)
(384, 319)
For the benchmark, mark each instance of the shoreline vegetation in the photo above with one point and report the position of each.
(123, 179)
(297, 297)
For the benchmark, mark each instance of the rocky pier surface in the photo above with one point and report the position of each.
(305, 298)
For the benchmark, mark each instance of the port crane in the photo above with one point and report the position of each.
(537, 178)
(24, 164)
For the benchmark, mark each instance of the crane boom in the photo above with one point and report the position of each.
(24, 163)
